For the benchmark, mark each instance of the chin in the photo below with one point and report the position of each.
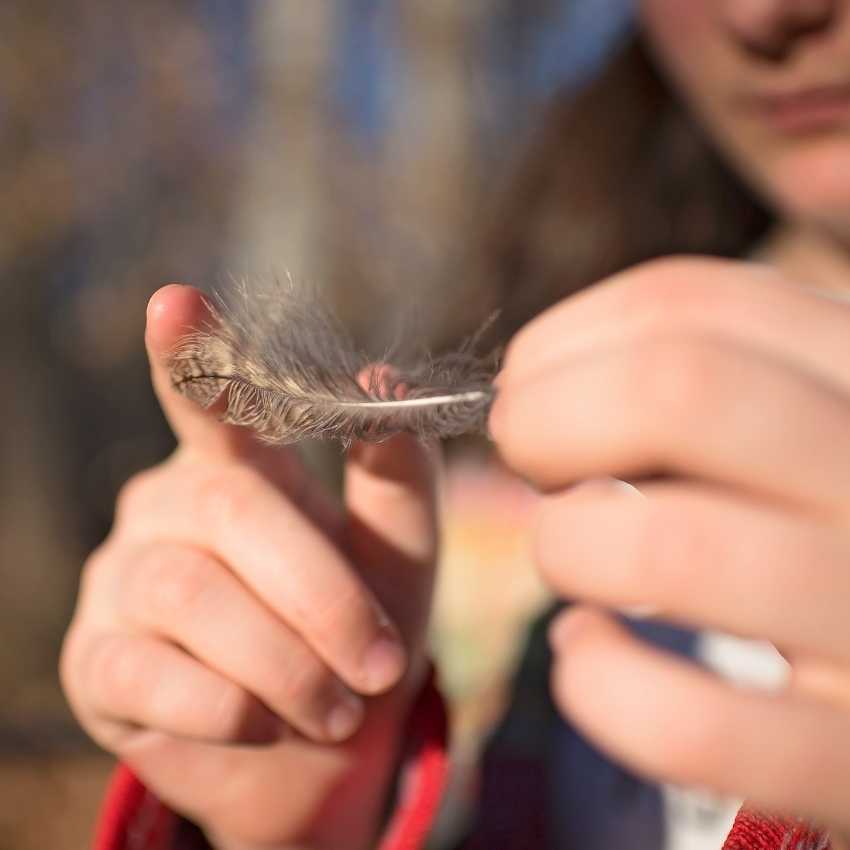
(812, 184)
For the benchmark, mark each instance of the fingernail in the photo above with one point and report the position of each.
(383, 664)
(626, 487)
(345, 717)
(609, 485)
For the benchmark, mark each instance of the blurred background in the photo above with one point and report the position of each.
(396, 153)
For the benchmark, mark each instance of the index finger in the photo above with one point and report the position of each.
(709, 409)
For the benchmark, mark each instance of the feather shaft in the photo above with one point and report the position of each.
(432, 401)
(283, 367)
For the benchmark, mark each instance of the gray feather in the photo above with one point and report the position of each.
(273, 359)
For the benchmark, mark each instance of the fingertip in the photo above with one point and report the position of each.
(166, 299)
(172, 311)
(403, 456)
(384, 663)
(382, 379)
(159, 300)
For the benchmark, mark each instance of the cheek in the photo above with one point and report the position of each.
(683, 38)
(808, 179)
(679, 32)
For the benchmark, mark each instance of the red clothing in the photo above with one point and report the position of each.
(133, 819)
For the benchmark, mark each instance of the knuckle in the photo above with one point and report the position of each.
(670, 377)
(226, 495)
(520, 346)
(667, 277)
(304, 683)
(134, 497)
(656, 288)
(119, 667)
(669, 289)
(229, 713)
(172, 582)
(92, 573)
(344, 617)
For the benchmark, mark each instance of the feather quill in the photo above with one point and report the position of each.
(272, 358)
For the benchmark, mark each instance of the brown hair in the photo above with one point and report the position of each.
(617, 174)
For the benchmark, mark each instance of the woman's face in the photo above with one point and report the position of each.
(770, 80)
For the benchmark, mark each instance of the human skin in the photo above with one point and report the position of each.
(234, 606)
(727, 377)
(731, 380)
(770, 82)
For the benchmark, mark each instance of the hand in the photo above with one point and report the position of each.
(734, 384)
(237, 624)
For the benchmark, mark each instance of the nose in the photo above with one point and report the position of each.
(770, 28)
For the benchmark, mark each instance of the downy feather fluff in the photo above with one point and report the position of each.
(273, 358)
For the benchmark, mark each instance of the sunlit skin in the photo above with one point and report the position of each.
(770, 81)
(734, 62)
(730, 379)
(733, 379)
(230, 550)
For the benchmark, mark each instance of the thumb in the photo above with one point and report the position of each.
(392, 530)
(174, 311)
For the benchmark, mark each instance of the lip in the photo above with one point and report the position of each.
(805, 110)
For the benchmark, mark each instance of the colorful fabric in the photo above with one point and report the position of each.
(517, 798)
(132, 818)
